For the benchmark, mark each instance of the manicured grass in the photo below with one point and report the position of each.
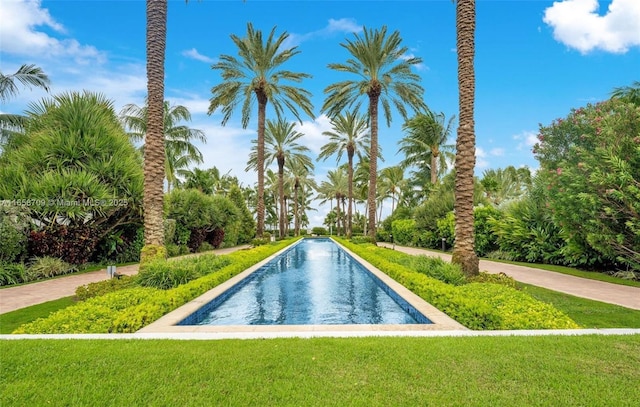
(587, 313)
(592, 275)
(12, 320)
(482, 371)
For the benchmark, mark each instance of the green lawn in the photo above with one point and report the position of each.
(587, 313)
(482, 371)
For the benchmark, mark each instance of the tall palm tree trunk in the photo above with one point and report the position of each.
(283, 211)
(434, 167)
(463, 251)
(154, 156)
(338, 215)
(296, 214)
(350, 209)
(374, 96)
(262, 108)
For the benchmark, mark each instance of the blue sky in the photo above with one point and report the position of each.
(535, 60)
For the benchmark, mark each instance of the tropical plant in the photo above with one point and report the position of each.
(281, 145)
(154, 155)
(630, 93)
(29, 76)
(335, 187)
(463, 251)
(303, 185)
(258, 71)
(425, 144)
(391, 183)
(506, 184)
(348, 134)
(179, 149)
(386, 78)
(77, 173)
(590, 164)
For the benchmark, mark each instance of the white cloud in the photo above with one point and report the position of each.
(312, 131)
(194, 54)
(342, 25)
(526, 139)
(498, 152)
(20, 34)
(578, 24)
(481, 161)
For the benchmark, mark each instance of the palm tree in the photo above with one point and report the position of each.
(335, 187)
(425, 142)
(281, 145)
(463, 251)
(392, 183)
(302, 186)
(180, 153)
(349, 133)
(154, 155)
(386, 77)
(629, 93)
(29, 76)
(257, 73)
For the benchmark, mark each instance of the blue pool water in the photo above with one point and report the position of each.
(313, 283)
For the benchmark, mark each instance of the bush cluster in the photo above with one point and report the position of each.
(39, 268)
(130, 309)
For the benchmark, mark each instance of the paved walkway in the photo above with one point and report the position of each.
(623, 295)
(13, 298)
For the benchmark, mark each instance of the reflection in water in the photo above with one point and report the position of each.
(315, 283)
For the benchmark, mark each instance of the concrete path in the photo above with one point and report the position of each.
(622, 295)
(13, 298)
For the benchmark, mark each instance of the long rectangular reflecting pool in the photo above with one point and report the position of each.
(315, 282)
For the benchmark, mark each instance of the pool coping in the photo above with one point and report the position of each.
(168, 323)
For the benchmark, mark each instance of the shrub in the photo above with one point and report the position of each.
(320, 231)
(164, 275)
(485, 239)
(259, 242)
(12, 273)
(439, 269)
(14, 224)
(499, 278)
(404, 231)
(205, 247)
(169, 230)
(362, 239)
(74, 244)
(84, 292)
(173, 250)
(47, 267)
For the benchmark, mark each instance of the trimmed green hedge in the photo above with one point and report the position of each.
(479, 306)
(130, 309)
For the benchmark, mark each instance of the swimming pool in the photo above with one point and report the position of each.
(315, 282)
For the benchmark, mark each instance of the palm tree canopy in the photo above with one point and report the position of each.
(629, 93)
(257, 71)
(179, 149)
(349, 133)
(281, 143)
(29, 76)
(427, 134)
(384, 68)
